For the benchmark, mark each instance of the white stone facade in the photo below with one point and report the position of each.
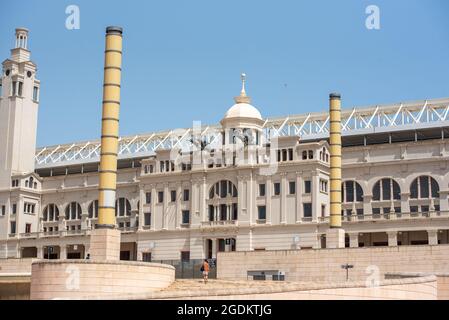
(395, 193)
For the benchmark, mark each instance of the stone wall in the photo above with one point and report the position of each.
(74, 279)
(324, 265)
(15, 265)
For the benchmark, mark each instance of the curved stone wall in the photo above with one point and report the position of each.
(74, 279)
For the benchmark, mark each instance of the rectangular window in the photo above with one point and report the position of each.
(261, 212)
(185, 256)
(185, 217)
(292, 187)
(307, 186)
(290, 154)
(14, 90)
(13, 227)
(323, 210)
(376, 192)
(35, 93)
(173, 195)
(211, 213)
(307, 208)
(19, 93)
(148, 197)
(160, 196)
(284, 154)
(3, 210)
(386, 190)
(350, 191)
(413, 208)
(424, 187)
(223, 212)
(376, 211)
(146, 256)
(14, 208)
(186, 196)
(28, 228)
(235, 211)
(277, 188)
(262, 190)
(147, 219)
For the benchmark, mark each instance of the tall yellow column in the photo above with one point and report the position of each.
(109, 127)
(335, 159)
(105, 239)
(335, 235)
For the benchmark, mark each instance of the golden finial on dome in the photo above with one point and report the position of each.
(243, 98)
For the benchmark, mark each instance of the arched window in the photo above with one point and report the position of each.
(221, 208)
(73, 211)
(386, 189)
(122, 207)
(351, 191)
(93, 209)
(223, 189)
(424, 187)
(50, 213)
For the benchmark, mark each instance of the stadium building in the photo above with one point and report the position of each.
(248, 183)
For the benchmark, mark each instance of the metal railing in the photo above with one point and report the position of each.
(312, 126)
(345, 218)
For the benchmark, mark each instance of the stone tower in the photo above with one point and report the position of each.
(19, 104)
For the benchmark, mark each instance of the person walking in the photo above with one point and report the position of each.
(205, 270)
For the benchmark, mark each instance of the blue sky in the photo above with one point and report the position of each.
(182, 59)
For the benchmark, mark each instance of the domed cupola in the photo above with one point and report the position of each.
(242, 121)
